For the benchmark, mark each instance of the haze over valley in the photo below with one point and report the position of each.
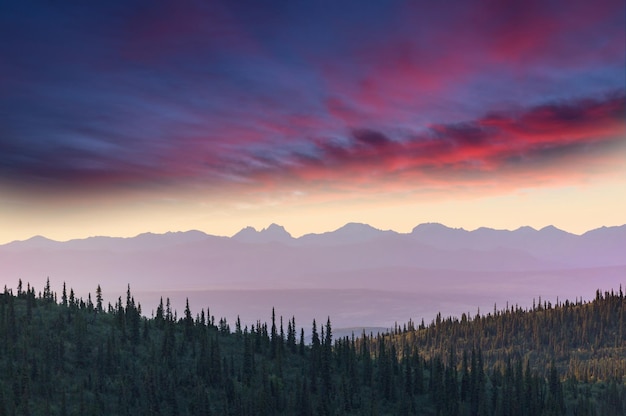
(358, 275)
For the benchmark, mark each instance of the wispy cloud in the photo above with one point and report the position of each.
(235, 95)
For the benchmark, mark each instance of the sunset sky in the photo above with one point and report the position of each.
(123, 117)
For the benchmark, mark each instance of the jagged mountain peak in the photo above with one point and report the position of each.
(273, 233)
(249, 230)
(275, 228)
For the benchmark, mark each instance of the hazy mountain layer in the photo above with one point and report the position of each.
(422, 270)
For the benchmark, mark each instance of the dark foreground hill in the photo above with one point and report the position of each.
(60, 355)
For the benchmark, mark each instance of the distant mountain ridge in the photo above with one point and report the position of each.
(142, 241)
(428, 266)
(349, 233)
(360, 246)
(605, 246)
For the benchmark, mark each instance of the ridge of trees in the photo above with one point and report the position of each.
(76, 357)
(586, 340)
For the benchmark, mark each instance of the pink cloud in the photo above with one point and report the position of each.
(539, 136)
(227, 96)
(420, 64)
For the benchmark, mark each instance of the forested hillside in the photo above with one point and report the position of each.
(586, 340)
(60, 355)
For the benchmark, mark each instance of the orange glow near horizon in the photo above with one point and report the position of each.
(574, 208)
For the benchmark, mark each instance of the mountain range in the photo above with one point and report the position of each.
(438, 264)
(526, 247)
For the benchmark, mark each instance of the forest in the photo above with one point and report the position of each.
(64, 355)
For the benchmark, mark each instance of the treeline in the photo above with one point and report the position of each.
(62, 355)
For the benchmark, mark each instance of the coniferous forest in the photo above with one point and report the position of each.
(63, 355)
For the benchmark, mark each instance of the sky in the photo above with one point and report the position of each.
(123, 117)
